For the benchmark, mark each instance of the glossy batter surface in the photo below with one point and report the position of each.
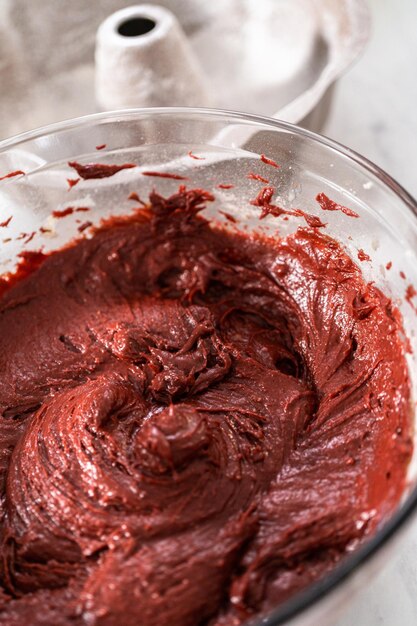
(194, 424)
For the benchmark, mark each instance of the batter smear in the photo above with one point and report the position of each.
(195, 424)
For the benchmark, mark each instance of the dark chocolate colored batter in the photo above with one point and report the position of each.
(194, 424)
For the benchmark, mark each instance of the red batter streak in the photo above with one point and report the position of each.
(72, 182)
(362, 256)
(263, 200)
(197, 158)
(165, 175)
(268, 161)
(329, 205)
(194, 424)
(63, 212)
(69, 210)
(134, 196)
(13, 174)
(30, 237)
(98, 170)
(229, 217)
(410, 293)
(82, 227)
(257, 177)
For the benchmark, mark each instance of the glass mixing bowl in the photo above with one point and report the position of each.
(229, 146)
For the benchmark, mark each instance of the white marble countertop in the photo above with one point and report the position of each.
(375, 106)
(375, 113)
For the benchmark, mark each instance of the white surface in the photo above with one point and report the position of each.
(375, 113)
(375, 107)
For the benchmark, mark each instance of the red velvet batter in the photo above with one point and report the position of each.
(97, 170)
(194, 424)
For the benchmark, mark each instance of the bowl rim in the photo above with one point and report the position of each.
(263, 120)
(309, 597)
